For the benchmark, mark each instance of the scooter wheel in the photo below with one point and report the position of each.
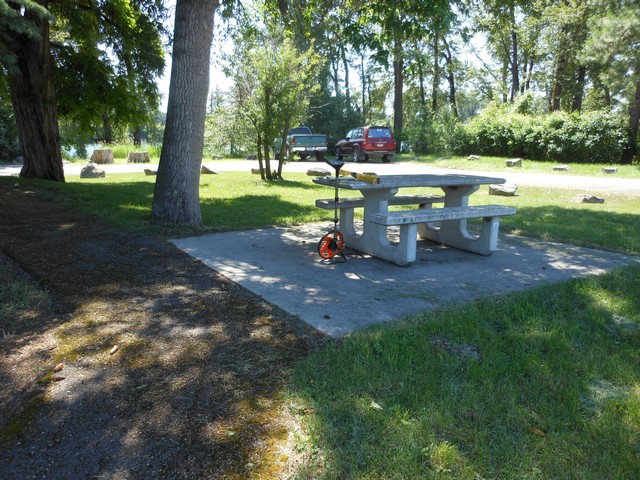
(330, 245)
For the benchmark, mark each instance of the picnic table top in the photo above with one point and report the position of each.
(409, 180)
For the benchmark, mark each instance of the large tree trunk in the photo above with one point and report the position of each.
(347, 92)
(398, 76)
(515, 78)
(451, 79)
(423, 95)
(576, 105)
(363, 81)
(34, 104)
(335, 76)
(176, 199)
(634, 122)
(556, 94)
(436, 72)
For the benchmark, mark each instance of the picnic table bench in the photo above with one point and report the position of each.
(412, 222)
(346, 206)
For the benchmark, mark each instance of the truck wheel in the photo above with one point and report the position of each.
(319, 157)
(289, 155)
(338, 154)
(303, 157)
(386, 159)
(356, 154)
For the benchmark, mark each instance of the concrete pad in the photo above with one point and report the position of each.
(282, 266)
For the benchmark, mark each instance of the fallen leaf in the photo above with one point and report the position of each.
(58, 378)
(375, 405)
(59, 367)
(114, 350)
(538, 432)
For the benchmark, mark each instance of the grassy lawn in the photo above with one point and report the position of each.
(239, 200)
(528, 166)
(539, 384)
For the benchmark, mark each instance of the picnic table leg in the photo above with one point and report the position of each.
(346, 224)
(373, 239)
(405, 252)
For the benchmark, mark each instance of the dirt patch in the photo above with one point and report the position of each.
(165, 369)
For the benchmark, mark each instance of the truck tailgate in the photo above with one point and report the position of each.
(304, 140)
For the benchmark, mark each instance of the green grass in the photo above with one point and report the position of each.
(239, 201)
(229, 201)
(542, 384)
(528, 166)
(554, 215)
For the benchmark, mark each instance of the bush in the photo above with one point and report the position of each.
(595, 137)
(434, 133)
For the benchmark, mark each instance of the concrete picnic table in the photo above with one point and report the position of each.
(447, 225)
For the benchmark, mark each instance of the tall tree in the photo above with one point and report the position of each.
(25, 53)
(399, 23)
(613, 47)
(502, 21)
(176, 199)
(566, 32)
(273, 83)
(95, 54)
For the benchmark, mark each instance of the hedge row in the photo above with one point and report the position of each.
(594, 137)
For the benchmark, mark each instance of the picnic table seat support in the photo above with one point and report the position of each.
(451, 231)
(347, 205)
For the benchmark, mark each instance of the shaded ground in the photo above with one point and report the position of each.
(194, 386)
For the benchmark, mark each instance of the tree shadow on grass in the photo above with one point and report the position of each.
(196, 387)
(255, 211)
(128, 204)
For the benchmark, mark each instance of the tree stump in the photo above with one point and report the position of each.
(138, 157)
(102, 155)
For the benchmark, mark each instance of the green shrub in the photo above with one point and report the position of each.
(433, 133)
(594, 137)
